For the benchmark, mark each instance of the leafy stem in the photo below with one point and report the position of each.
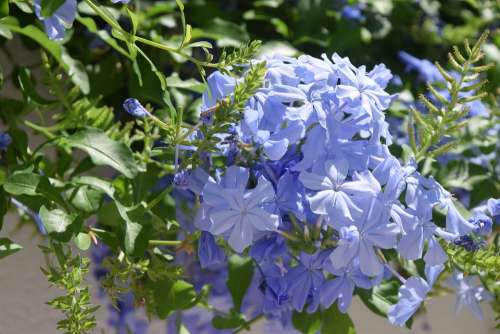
(443, 120)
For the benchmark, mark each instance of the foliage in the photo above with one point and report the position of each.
(69, 274)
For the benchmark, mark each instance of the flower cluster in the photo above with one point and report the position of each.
(313, 188)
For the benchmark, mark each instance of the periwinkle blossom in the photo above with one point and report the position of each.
(219, 86)
(238, 212)
(411, 295)
(341, 288)
(322, 160)
(5, 141)
(209, 252)
(469, 293)
(483, 225)
(494, 209)
(134, 108)
(362, 238)
(418, 229)
(59, 21)
(305, 280)
(426, 70)
(334, 193)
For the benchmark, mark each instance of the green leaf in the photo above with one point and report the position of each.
(307, 323)
(7, 247)
(380, 298)
(76, 72)
(4, 8)
(239, 278)
(335, 322)
(96, 183)
(57, 222)
(4, 31)
(174, 81)
(104, 151)
(134, 20)
(31, 184)
(82, 241)
(225, 322)
(173, 295)
(87, 199)
(136, 229)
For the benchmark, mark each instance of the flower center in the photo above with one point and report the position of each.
(349, 233)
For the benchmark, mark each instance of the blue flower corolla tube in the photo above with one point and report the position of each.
(469, 293)
(411, 295)
(35, 216)
(5, 141)
(60, 20)
(239, 213)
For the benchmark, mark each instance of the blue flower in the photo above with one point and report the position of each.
(209, 252)
(35, 216)
(236, 211)
(411, 295)
(418, 229)
(352, 13)
(426, 70)
(333, 196)
(483, 224)
(134, 107)
(62, 18)
(5, 141)
(342, 287)
(219, 87)
(494, 209)
(305, 280)
(469, 294)
(268, 248)
(124, 318)
(360, 238)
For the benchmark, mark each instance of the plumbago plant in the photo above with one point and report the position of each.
(275, 197)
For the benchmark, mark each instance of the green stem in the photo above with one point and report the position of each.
(158, 198)
(165, 242)
(248, 324)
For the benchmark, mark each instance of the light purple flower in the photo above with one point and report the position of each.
(360, 239)
(469, 293)
(334, 193)
(238, 212)
(61, 19)
(411, 295)
(305, 279)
